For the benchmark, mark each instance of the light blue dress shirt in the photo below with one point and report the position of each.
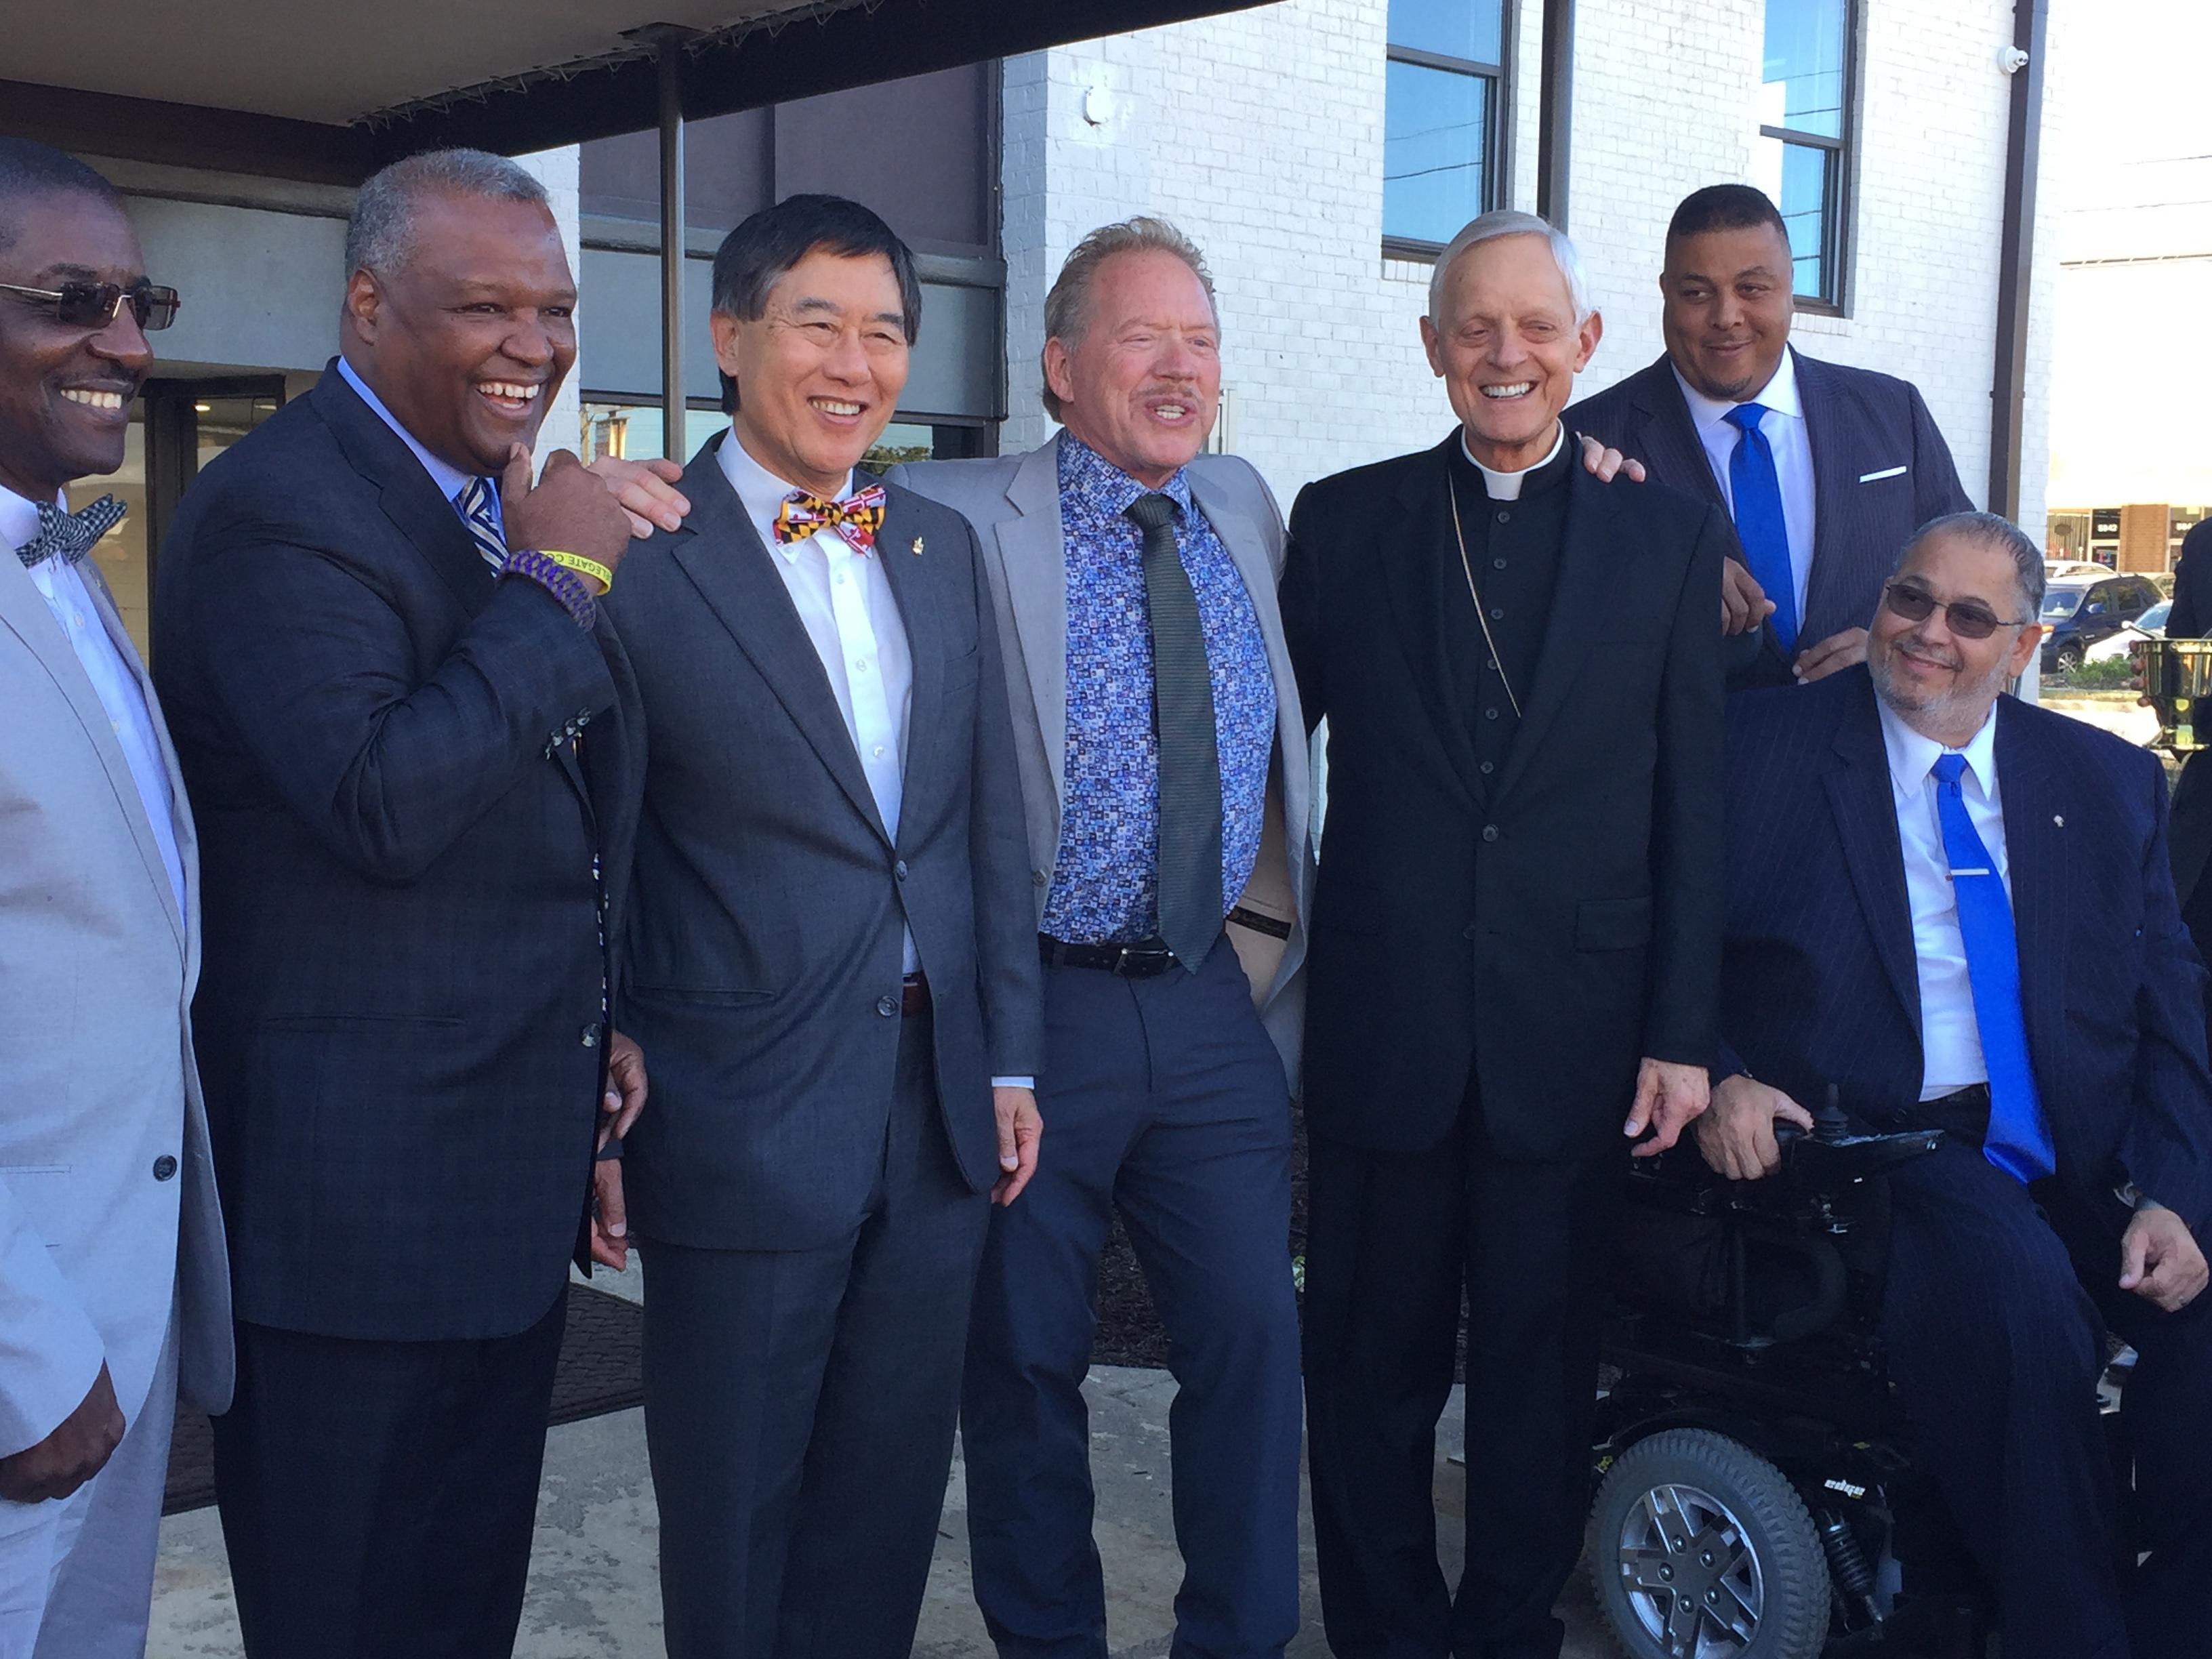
(450, 479)
(114, 679)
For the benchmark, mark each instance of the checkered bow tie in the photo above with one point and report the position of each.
(856, 519)
(69, 535)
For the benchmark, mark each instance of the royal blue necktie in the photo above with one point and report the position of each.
(1756, 490)
(2019, 1141)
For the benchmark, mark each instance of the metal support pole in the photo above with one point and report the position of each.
(2016, 259)
(1555, 122)
(670, 55)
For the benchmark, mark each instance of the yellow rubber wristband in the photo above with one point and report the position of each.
(591, 568)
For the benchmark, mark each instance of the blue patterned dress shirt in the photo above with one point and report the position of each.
(1105, 885)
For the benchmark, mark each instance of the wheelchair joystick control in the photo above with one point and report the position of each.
(1830, 1124)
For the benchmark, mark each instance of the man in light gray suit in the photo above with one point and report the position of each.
(113, 1291)
(1166, 789)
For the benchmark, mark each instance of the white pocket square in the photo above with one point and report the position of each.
(1887, 472)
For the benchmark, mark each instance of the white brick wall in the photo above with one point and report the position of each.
(1260, 134)
(558, 171)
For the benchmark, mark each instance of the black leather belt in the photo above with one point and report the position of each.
(1144, 959)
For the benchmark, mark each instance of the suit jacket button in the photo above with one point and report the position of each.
(887, 1007)
(1490, 832)
(164, 1167)
(591, 1037)
(1036, 877)
(899, 869)
(1470, 932)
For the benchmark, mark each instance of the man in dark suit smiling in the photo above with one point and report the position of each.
(1516, 923)
(1956, 910)
(832, 945)
(1823, 470)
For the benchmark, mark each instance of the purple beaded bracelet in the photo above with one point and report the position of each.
(562, 583)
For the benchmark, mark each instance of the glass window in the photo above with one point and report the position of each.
(1444, 91)
(1803, 122)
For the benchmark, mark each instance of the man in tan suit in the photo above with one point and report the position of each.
(114, 1294)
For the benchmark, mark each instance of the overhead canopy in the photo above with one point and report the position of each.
(328, 90)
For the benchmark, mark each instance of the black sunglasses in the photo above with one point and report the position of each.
(94, 305)
(1968, 618)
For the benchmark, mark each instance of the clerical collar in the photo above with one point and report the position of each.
(1506, 486)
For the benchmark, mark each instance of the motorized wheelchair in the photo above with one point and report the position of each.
(1756, 1498)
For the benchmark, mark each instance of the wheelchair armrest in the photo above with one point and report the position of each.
(1829, 1164)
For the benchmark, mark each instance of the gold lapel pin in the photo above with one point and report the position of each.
(917, 547)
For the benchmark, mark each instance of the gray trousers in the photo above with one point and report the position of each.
(800, 1407)
(76, 1574)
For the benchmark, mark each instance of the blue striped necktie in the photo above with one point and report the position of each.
(479, 505)
(2018, 1140)
(1755, 493)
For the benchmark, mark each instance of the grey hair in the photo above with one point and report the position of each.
(1993, 532)
(1067, 307)
(1507, 222)
(381, 235)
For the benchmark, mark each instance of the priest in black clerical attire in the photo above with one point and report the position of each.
(1515, 936)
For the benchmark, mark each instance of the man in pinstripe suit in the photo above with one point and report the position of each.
(1957, 909)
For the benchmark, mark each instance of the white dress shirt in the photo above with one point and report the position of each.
(1783, 426)
(113, 679)
(1506, 486)
(845, 601)
(1950, 1039)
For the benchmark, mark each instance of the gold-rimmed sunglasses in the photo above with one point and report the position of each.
(1970, 619)
(95, 305)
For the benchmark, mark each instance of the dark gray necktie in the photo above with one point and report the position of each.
(1189, 859)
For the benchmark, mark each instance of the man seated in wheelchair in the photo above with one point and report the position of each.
(1956, 908)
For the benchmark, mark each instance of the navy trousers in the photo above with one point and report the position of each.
(1998, 1298)
(1163, 1098)
(799, 1407)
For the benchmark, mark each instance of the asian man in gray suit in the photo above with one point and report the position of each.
(829, 956)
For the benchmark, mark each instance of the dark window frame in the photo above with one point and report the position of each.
(1498, 134)
(1841, 196)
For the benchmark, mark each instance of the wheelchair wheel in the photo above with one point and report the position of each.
(1701, 1549)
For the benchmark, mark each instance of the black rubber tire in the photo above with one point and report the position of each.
(1793, 1621)
(2069, 656)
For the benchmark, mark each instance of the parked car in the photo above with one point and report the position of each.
(2151, 625)
(2074, 571)
(2077, 614)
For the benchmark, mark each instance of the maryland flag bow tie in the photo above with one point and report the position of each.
(857, 518)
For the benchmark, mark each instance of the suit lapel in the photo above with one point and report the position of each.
(414, 504)
(1832, 476)
(1031, 553)
(23, 611)
(1671, 444)
(1580, 598)
(181, 815)
(1865, 808)
(2033, 797)
(721, 553)
(912, 589)
(1416, 554)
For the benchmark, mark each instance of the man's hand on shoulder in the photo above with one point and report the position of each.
(647, 492)
(1736, 1133)
(1603, 463)
(1832, 655)
(2161, 1259)
(75, 1452)
(1744, 603)
(1668, 1095)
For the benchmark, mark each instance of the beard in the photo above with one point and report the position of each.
(1963, 698)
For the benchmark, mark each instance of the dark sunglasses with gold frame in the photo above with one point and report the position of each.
(95, 305)
(1970, 619)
